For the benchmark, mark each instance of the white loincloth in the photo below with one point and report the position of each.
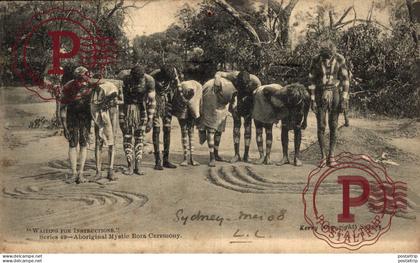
(102, 118)
(263, 110)
(213, 110)
(195, 102)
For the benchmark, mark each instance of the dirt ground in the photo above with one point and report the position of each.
(155, 212)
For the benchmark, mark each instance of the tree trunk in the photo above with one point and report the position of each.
(282, 27)
(413, 25)
(249, 29)
(240, 20)
(283, 13)
(413, 7)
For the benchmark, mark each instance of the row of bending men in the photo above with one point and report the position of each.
(149, 101)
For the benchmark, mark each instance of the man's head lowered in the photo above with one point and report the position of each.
(168, 72)
(242, 80)
(137, 72)
(81, 74)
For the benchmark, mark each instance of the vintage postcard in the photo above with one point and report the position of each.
(210, 126)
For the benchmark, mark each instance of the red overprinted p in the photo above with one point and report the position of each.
(348, 202)
(57, 54)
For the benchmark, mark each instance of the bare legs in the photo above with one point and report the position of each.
(237, 138)
(210, 143)
(83, 155)
(217, 139)
(166, 144)
(73, 160)
(346, 118)
(333, 125)
(187, 134)
(133, 153)
(247, 135)
(78, 175)
(98, 159)
(99, 144)
(155, 137)
(128, 150)
(259, 126)
(285, 145)
(138, 150)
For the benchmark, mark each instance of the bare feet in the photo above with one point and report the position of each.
(212, 163)
(260, 161)
(202, 134)
(283, 161)
(331, 162)
(72, 179)
(184, 162)
(194, 162)
(267, 161)
(138, 171)
(97, 177)
(322, 163)
(218, 158)
(129, 171)
(235, 159)
(297, 162)
(168, 164)
(111, 175)
(81, 179)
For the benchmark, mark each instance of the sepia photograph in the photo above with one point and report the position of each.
(210, 126)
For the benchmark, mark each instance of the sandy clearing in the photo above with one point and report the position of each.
(34, 193)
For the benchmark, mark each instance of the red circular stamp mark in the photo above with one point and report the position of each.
(67, 35)
(351, 205)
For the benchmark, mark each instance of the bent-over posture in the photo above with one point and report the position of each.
(136, 115)
(241, 107)
(264, 116)
(165, 88)
(294, 99)
(214, 110)
(272, 103)
(76, 119)
(186, 107)
(104, 109)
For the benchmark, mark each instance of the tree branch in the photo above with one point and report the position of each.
(355, 14)
(409, 4)
(288, 9)
(371, 11)
(276, 37)
(116, 7)
(275, 6)
(330, 14)
(343, 16)
(98, 9)
(242, 22)
(362, 21)
(276, 20)
(120, 5)
(148, 2)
